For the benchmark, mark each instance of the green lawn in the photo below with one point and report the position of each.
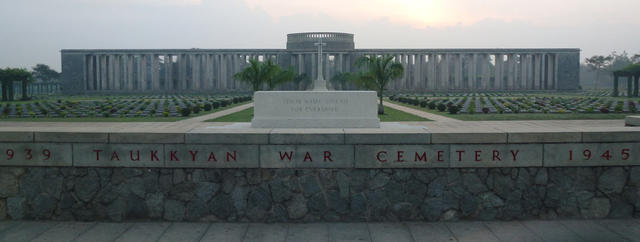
(111, 119)
(390, 115)
(519, 116)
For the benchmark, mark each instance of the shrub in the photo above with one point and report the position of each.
(196, 109)
(453, 109)
(207, 107)
(185, 112)
(441, 107)
(604, 110)
(216, 104)
(235, 100)
(432, 105)
(485, 110)
(423, 103)
(165, 114)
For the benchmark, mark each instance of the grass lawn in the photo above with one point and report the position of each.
(390, 115)
(519, 116)
(111, 119)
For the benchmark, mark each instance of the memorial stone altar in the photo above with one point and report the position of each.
(319, 108)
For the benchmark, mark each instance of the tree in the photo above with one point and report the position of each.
(44, 73)
(258, 74)
(378, 72)
(635, 59)
(301, 81)
(599, 63)
(277, 76)
(339, 80)
(8, 76)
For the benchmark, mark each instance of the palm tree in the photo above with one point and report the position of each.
(378, 72)
(257, 74)
(252, 75)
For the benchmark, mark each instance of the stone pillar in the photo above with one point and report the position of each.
(555, 71)
(444, 67)
(325, 67)
(226, 62)
(195, 72)
(121, 80)
(130, 73)
(511, 65)
(635, 86)
(486, 73)
(90, 75)
(458, 72)
(498, 80)
(536, 71)
(418, 79)
(168, 73)
(155, 72)
(206, 81)
(549, 72)
(340, 63)
(111, 72)
(314, 66)
(190, 72)
(300, 64)
(431, 72)
(182, 71)
(523, 72)
(142, 73)
(471, 71)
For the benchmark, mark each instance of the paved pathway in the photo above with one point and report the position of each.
(419, 113)
(216, 114)
(534, 230)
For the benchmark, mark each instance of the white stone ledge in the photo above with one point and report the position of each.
(384, 135)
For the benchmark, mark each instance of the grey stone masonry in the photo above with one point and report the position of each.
(291, 175)
(91, 70)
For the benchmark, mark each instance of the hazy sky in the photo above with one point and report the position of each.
(34, 31)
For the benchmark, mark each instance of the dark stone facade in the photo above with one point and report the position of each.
(304, 195)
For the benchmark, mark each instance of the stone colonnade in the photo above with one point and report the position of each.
(166, 72)
(475, 70)
(162, 71)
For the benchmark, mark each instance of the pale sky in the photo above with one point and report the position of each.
(34, 31)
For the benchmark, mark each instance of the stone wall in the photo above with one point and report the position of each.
(301, 195)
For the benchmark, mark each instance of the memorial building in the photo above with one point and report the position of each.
(210, 70)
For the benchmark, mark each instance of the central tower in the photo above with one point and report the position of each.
(305, 41)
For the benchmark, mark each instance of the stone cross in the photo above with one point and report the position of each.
(320, 84)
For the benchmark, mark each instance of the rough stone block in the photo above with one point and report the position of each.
(306, 136)
(35, 154)
(212, 156)
(227, 136)
(16, 136)
(71, 137)
(387, 136)
(497, 155)
(544, 137)
(401, 156)
(592, 154)
(147, 138)
(306, 156)
(469, 138)
(118, 155)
